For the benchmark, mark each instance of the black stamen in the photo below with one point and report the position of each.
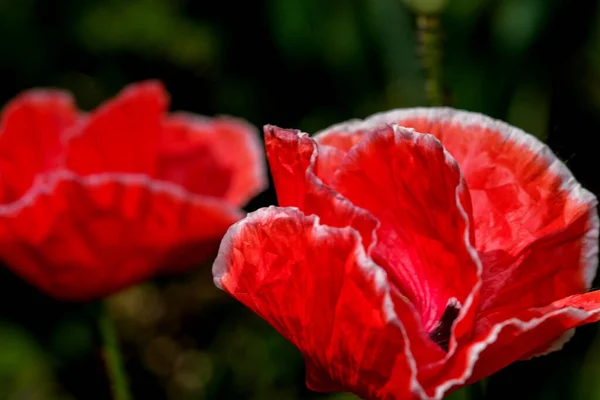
(441, 333)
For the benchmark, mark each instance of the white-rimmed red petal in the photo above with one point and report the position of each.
(31, 138)
(261, 256)
(122, 135)
(220, 157)
(83, 237)
(317, 287)
(516, 337)
(536, 227)
(416, 190)
(293, 157)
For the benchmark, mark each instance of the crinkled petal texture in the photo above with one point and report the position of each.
(528, 209)
(346, 319)
(405, 263)
(94, 203)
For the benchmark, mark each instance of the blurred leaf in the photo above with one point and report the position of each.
(315, 29)
(25, 371)
(467, 12)
(151, 27)
(426, 6)
(518, 23)
(289, 21)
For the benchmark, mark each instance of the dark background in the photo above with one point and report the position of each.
(295, 63)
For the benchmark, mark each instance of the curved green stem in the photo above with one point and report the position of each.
(112, 356)
(430, 38)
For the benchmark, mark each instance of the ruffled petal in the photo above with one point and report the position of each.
(416, 191)
(219, 157)
(515, 177)
(32, 127)
(518, 336)
(122, 135)
(80, 238)
(535, 226)
(317, 287)
(293, 158)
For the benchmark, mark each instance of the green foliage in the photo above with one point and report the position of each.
(25, 369)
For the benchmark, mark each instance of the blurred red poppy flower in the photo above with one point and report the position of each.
(92, 203)
(404, 265)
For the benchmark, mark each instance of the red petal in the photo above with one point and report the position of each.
(219, 157)
(79, 238)
(535, 226)
(335, 147)
(514, 177)
(416, 190)
(328, 162)
(293, 157)
(545, 270)
(316, 286)
(122, 135)
(31, 138)
(517, 336)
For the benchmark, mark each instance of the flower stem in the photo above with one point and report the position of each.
(112, 356)
(430, 46)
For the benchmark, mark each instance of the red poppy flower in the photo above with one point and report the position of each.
(404, 265)
(91, 203)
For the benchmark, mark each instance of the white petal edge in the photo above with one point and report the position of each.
(44, 185)
(556, 345)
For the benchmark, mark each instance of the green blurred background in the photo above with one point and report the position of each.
(295, 63)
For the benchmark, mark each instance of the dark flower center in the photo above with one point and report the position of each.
(441, 333)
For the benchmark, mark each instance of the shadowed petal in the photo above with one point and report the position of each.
(80, 238)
